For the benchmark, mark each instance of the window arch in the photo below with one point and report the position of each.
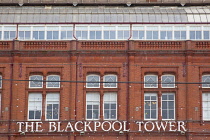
(168, 81)
(150, 81)
(110, 81)
(36, 81)
(53, 81)
(93, 81)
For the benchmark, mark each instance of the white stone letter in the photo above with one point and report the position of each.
(31, 126)
(69, 126)
(124, 125)
(145, 126)
(38, 124)
(161, 125)
(19, 126)
(181, 124)
(96, 126)
(87, 124)
(139, 124)
(113, 124)
(172, 125)
(52, 124)
(102, 126)
(76, 127)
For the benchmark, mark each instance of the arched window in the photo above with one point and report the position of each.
(36, 81)
(110, 81)
(168, 81)
(53, 81)
(93, 81)
(206, 81)
(150, 81)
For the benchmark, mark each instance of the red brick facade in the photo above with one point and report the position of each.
(129, 60)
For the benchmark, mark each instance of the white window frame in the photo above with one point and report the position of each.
(52, 29)
(138, 29)
(39, 104)
(195, 29)
(203, 81)
(180, 29)
(48, 81)
(167, 105)
(104, 101)
(38, 28)
(0, 81)
(109, 29)
(32, 81)
(66, 29)
(151, 94)
(48, 101)
(9, 29)
(207, 106)
(104, 85)
(81, 29)
(150, 84)
(124, 29)
(95, 29)
(90, 82)
(24, 29)
(173, 85)
(93, 102)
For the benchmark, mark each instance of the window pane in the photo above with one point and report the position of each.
(150, 105)
(92, 34)
(98, 35)
(110, 81)
(150, 81)
(206, 34)
(52, 102)
(112, 35)
(53, 81)
(93, 81)
(35, 81)
(206, 81)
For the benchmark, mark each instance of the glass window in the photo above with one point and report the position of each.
(95, 32)
(138, 33)
(82, 32)
(110, 106)
(150, 106)
(53, 81)
(150, 81)
(109, 32)
(123, 32)
(34, 106)
(152, 33)
(93, 81)
(9, 32)
(168, 81)
(24, 33)
(110, 81)
(66, 33)
(206, 81)
(36, 81)
(52, 33)
(195, 33)
(52, 106)
(206, 106)
(92, 106)
(206, 34)
(165, 33)
(180, 33)
(38, 33)
(168, 106)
